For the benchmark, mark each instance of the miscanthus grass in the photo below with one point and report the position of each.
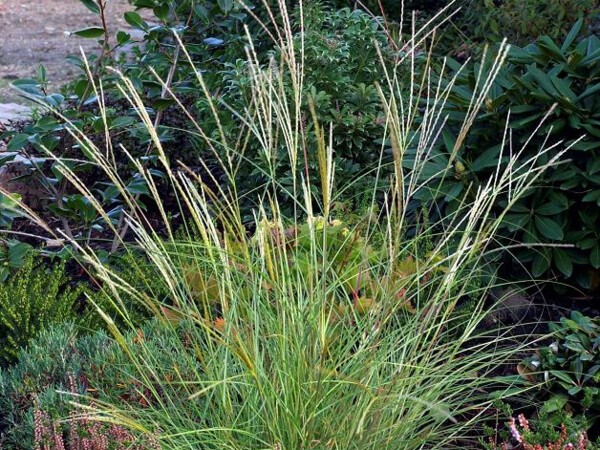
(308, 333)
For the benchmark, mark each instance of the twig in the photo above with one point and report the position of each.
(106, 50)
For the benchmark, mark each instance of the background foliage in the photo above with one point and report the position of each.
(562, 80)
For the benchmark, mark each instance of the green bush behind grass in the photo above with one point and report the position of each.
(557, 83)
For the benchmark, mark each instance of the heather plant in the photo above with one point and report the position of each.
(32, 299)
(539, 435)
(84, 434)
(62, 366)
(40, 370)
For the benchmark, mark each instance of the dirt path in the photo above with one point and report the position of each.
(34, 32)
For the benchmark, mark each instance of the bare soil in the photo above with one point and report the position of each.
(34, 32)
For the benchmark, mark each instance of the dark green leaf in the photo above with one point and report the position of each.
(18, 142)
(489, 158)
(120, 122)
(92, 32)
(574, 390)
(591, 90)
(92, 5)
(29, 86)
(135, 20)
(593, 196)
(123, 38)
(137, 186)
(565, 90)
(541, 264)
(17, 252)
(562, 376)
(543, 79)
(550, 209)
(516, 222)
(591, 372)
(520, 123)
(595, 257)
(563, 261)
(549, 228)
(162, 12)
(547, 44)
(572, 35)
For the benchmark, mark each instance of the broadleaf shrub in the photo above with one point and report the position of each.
(473, 24)
(557, 84)
(212, 33)
(347, 51)
(569, 369)
(521, 22)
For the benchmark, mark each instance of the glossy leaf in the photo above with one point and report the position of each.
(91, 32)
(563, 261)
(549, 228)
(595, 256)
(135, 20)
(92, 5)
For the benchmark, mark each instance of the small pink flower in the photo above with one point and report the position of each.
(523, 422)
(582, 443)
(514, 431)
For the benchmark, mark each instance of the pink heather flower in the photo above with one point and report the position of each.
(523, 422)
(59, 444)
(39, 428)
(513, 430)
(582, 443)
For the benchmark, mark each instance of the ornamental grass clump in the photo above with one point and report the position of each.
(310, 333)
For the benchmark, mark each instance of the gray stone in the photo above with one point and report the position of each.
(19, 177)
(13, 111)
(17, 174)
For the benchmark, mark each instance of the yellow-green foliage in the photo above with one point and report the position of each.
(32, 299)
